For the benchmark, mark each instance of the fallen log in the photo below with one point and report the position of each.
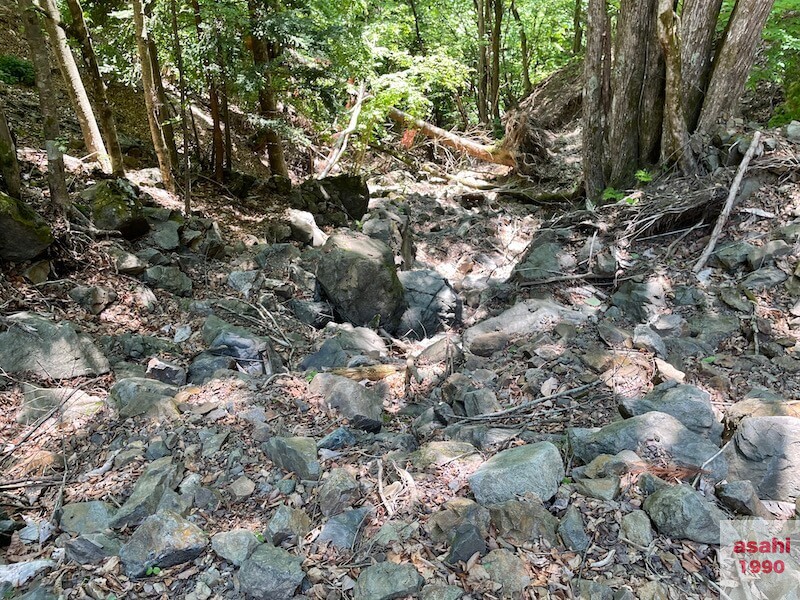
(496, 154)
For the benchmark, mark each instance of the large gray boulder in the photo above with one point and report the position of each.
(533, 468)
(361, 406)
(57, 351)
(432, 304)
(114, 205)
(358, 275)
(162, 540)
(684, 446)
(25, 233)
(138, 396)
(523, 319)
(271, 574)
(344, 343)
(766, 451)
(73, 404)
(159, 476)
(682, 512)
(295, 454)
(386, 580)
(690, 405)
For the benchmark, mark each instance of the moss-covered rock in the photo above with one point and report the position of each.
(114, 205)
(23, 233)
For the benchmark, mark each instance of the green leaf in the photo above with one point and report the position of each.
(592, 301)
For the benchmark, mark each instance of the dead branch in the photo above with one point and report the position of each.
(341, 141)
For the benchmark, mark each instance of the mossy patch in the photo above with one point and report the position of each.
(25, 233)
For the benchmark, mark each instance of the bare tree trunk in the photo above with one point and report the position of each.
(698, 25)
(267, 101)
(675, 143)
(597, 34)
(651, 104)
(577, 36)
(497, 32)
(9, 166)
(176, 40)
(225, 112)
(47, 102)
(493, 154)
(523, 45)
(74, 86)
(105, 116)
(734, 60)
(627, 79)
(483, 63)
(150, 97)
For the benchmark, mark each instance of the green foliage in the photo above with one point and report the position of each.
(260, 537)
(16, 70)
(643, 176)
(153, 571)
(614, 194)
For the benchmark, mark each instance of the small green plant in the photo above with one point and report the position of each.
(16, 70)
(709, 360)
(152, 571)
(643, 176)
(260, 537)
(612, 194)
(310, 375)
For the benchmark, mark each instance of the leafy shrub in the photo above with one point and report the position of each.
(16, 70)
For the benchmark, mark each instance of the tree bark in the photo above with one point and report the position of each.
(9, 166)
(47, 103)
(697, 28)
(594, 102)
(497, 32)
(651, 104)
(523, 45)
(226, 117)
(577, 28)
(483, 63)
(150, 97)
(734, 60)
(74, 86)
(268, 104)
(675, 142)
(492, 154)
(420, 44)
(176, 43)
(105, 116)
(627, 79)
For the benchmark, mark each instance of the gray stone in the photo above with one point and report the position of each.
(338, 492)
(344, 343)
(508, 570)
(653, 590)
(681, 512)
(125, 262)
(166, 235)
(544, 258)
(525, 318)
(685, 447)
(689, 404)
(392, 229)
(135, 396)
(766, 451)
(465, 542)
(536, 468)
(343, 529)
(442, 524)
(602, 488)
(205, 366)
(762, 256)
(357, 274)
(18, 574)
(436, 591)
(166, 372)
(235, 546)
(25, 233)
(159, 476)
(793, 131)
(95, 299)
(86, 517)
(73, 404)
(645, 338)
(242, 488)
(432, 304)
(254, 355)
(572, 532)
(315, 314)
(480, 402)
(635, 526)
(163, 540)
(287, 524)
(764, 278)
(295, 454)
(639, 301)
(741, 498)
(271, 574)
(245, 281)
(304, 228)
(522, 521)
(386, 581)
(734, 255)
(170, 279)
(361, 406)
(593, 590)
(115, 206)
(56, 351)
(446, 452)
(337, 439)
(91, 548)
